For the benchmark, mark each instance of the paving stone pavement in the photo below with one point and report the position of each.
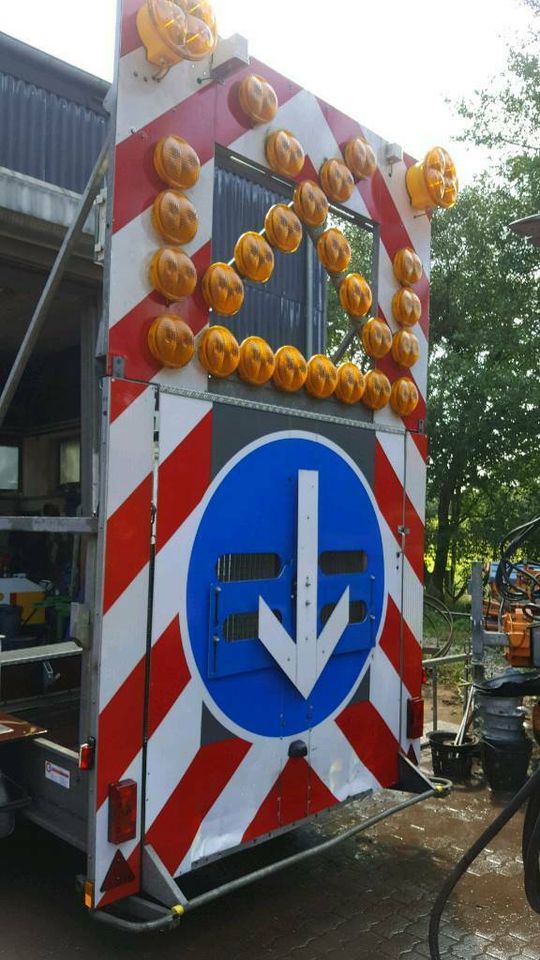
(368, 899)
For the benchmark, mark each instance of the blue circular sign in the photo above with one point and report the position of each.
(290, 505)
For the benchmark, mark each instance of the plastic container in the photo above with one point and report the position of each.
(450, 761)
(505, 764)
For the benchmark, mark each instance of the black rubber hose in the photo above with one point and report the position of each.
(527, 791)
(531, 852)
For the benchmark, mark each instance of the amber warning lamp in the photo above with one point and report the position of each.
(171, 341)
(257, 361)
(291, 369)
(219, 352)
(433, 181)
(223, 289)
(175, 31)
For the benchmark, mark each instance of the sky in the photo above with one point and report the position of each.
(390, 65)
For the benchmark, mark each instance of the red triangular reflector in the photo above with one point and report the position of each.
(119, 873)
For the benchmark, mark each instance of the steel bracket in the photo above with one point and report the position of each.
(157, 881)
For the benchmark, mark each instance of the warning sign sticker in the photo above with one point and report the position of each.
(58, 775)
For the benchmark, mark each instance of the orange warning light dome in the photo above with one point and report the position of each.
(376, 338)
(378, 390)
(283, 228)
(310, 203)
(291, 369)
(174, 217)
(223, 289)
(285, 153)
(360, 158)
(350, 383)
(219, 352)
(172, 273)
(176, 162)
(408, 267)
(258, 99)
(322, 377)
(176, 30)
(406, 307)
(337, 180)
(171, 341)
(404, 397)
(257, 361)
(334, 250)
(433, 181)
(405, 348)
(254, 257)
(355, 295)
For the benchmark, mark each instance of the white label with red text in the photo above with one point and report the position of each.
(58, 775)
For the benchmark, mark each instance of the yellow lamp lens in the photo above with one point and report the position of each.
(404, 397)
(334, 250)
(162, 26)
(284, 153)
(171, 341)
(254, 257)
(378, 390)
(283, 228)
(355, 295)
(405, 348)
(223, 289)
(258, 99)
(322, 377)
(202, 34)
(176, 162)
(290, 373)
(310, 203)
(173, 274)
(174, 217)
(360, 158)
(408, 267)
(351, 383)
(257, 361)
(433, 181)
(406, 307)
(337, 181)
(376, 338)
(219, 352)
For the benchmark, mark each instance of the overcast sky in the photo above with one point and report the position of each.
(390, 65)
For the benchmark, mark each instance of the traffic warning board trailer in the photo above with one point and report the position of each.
(250, 618)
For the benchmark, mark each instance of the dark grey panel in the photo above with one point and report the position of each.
(211, 729)
(361, 694)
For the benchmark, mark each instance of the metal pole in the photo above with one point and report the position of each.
(435, 688)
(477, 620)
(53, 282)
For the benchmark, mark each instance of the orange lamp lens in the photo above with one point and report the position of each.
(405, 348)
(219, 352)
(360, 158)
(171, 341)
(284, 153)
(376, 338)
(433, 181)
(406, 307)
(163, 29)
(202, 35)
(310, 203)
(337, 181)
(355, 295)
(404, 397)
(291, 369)
(351, 383)
(283, 228)
(378, 390)
(334, 250)
(322, 377)
(173, 274)
(408, 267)
(257, 361)
(176, 162)
(174, 217)
(223, 289)
(254, 257)
(258, 99)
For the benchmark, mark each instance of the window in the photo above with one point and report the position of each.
(70, 462)
(9, 467)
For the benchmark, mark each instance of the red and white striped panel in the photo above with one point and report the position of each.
(206, 798)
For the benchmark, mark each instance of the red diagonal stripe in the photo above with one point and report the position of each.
(372, 741)
(120, 733)
(128, 542)
(422, 444)
(183, 480)
(169, 675)
(297, 794)
(130, 39)
(122, 396)
(175, 829)
(390, 643)
(392, 502)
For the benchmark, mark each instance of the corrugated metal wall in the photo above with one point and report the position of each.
(278, 309)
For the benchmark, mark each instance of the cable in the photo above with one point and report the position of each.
(531, 847)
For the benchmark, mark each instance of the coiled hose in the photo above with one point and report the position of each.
(531, 856)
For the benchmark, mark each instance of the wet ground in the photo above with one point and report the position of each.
(369, 898)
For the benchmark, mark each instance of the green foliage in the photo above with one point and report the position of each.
(338, 327)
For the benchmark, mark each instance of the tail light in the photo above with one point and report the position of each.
(86, 754)
(415, 718)
(122, 811)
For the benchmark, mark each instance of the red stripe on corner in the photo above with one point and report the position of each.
(127, 542)
(176, 827)
(120, 733)
(123, 394)
(412, 654)
(169, 675)
(297, 793)
(130, 39)
(421, 441)
(183, 479)
(372, 740)
(392, 502)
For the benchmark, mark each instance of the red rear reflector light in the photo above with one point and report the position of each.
(86, 755)
(425, 678)
(415, 718)
(122, 811)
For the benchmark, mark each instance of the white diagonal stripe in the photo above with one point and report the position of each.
(336, 763)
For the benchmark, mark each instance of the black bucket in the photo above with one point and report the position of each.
(451, 761)
(506, 765)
